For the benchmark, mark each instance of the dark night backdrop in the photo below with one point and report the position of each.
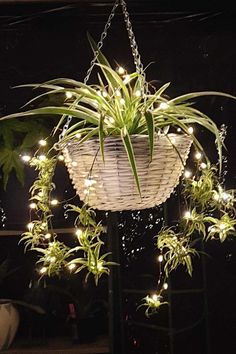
(194, 50)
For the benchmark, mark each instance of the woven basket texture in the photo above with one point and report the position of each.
(115, 188)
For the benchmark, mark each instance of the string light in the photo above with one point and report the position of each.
(30, 225)
(54, 202)
(165, 286)
(74, 163)
(47, 236)
(179, 130)
(33, 205)
(42, 157)
(198, 155)
(155, 297)
(190, 130)
(126, 79)
(52, 259)
(203, 165)
(71, 266)
(26, 158)
(117, 92)
(187, 215)
(160, 258)
(78, 136)
(69, 94)
(42, 142)
(122, 101)
(88, 182)
(60, 157)
(105, 94)
(138, 93)
(79, 233)
(43, 270)
(163, 105)
(121, 70)
(187, 174)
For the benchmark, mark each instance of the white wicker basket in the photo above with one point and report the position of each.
(115, 188)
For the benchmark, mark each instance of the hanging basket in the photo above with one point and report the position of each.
(114, 186)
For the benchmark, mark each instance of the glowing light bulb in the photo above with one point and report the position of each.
(42, 157)
(126, 79)
(122, 101)
(79, 233)
(203, 165)
(88, 182)
(54, 202)
(78, 136)
(163, 105)
(111, 120)
(52, 259)
(86, 191)
(100, 266)
(187, 215)
(74, 163)
(43, 270)
(222, 226)
(30, 225)
(160, 258)
(60, 157)
(47, 236)
(225, 196)
(121, 70)
(71, 266)
(179, 130)
(198, 155)
(155, 297)
(42, 142)
(69, 94)
(26, 158)
(117, 92)
(190, 130)
(105, 94)
(138, 93)
(165, 286)
(33, 205)
(187, 174)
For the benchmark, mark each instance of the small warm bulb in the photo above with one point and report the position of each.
(121, 70)
(160, 258)
(79, 232)
(26, 158)
(43, 270)
(74, 163)
(163, 105)
(225, 196)
(111, 120)
(71, 266)
(122, 101)
(88, 182)
(30, 225)
(52, 259)
(42, 142)
(47, 236)
(198, 155)
(33, 205)
(187, 174)
(69, 94)
(222, 226)
(203, 165)
(126, 79)
(138, 93)
(190, 130)
(105, 94)
(60, 157)
(54, 202)
(165, 286)
(117, 92)
(187, 215)
(86, 191)
(42, 157)
(78, 136)
(179, 130)
(99, 266)
(155, 297)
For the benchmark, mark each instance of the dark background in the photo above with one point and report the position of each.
(192, 45)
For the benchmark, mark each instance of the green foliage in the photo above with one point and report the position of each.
(152, 304)
(177, 250)
(16, 138)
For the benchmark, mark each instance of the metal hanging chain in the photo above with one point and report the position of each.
(93, 61)
(133, 44)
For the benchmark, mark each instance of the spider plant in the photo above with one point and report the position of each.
(121, 105)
